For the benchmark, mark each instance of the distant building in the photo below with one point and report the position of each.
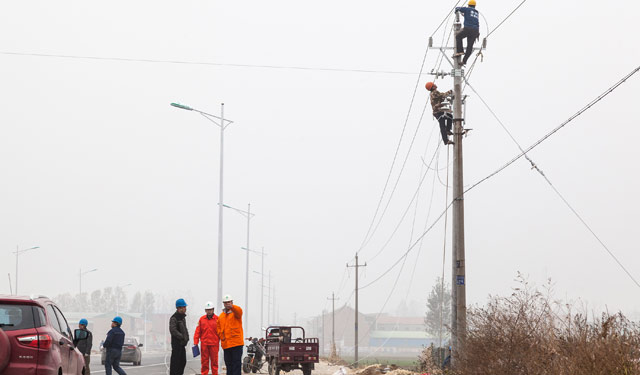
(380, 335)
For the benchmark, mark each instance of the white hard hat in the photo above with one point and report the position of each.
(227, 298)
(209, 305)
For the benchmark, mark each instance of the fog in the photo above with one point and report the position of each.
(99, 171)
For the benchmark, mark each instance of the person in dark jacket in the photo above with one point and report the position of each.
(441, 111)
(179, 338)
(84, 345)
(113, 346)
(471, 30)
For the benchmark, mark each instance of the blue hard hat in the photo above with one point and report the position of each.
(84, 322)
(117, 319)
(181, 303)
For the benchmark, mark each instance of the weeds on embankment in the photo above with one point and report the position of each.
(530, 333)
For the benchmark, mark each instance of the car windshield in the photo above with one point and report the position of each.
(15, 317)
(130, 341)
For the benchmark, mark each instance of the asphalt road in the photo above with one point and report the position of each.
(152, 364)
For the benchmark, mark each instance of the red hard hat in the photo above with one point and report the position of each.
(429, 86)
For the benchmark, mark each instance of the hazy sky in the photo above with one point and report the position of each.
(99, 171)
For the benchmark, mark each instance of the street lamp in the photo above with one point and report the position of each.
(118, 289)
(80, 274)
(222, 124)
(262, 298)
(248, 215)
(18, 252)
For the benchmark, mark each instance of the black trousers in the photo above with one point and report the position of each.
(445, 119)
(178, 359)
(112, 361)
(233, 360)
(471, 35)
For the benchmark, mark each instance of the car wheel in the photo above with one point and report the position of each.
(5, 350)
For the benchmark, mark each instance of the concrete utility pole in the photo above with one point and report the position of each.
(459, 300)
(333, 323)
(355, 349)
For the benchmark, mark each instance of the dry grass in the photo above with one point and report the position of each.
(528, 333)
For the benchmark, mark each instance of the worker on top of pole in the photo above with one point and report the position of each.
(471, 30)
(441, 111)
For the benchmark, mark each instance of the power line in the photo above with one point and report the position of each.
(549, 134)
(535, 166)
(395, 156)
(205, 63)
(506, 18)
(593, 102)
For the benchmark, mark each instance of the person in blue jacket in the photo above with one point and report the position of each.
(471, 30)
(113, 345)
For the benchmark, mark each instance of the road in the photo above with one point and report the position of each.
(154, 364)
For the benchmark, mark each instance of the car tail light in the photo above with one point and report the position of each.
(36, 341)
(286, 358)
(313, 358)
(131, 346)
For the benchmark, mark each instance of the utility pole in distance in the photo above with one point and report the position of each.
(355, 349)
(333, 324)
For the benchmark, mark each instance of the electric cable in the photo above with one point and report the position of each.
(204, 63)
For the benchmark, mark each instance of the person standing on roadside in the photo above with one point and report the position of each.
(84, 345)
(231, 335)
(207, 334)
(179, 338)
(113, 345)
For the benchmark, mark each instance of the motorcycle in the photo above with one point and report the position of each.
(256, 354)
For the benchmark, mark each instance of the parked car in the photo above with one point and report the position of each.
(130, 352)
(35, 338)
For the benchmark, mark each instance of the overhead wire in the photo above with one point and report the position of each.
(536, 167)
(370, 233)
(556, 129)
(437, 66)
(441, 215)
(444, 256)
(506, 18)
(204, 63)
(395, 230)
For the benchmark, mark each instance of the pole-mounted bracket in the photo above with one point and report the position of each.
(439, 74)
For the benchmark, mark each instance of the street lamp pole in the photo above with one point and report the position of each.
(248, 215)
(84, 273)
(222, 125)
(18, 252)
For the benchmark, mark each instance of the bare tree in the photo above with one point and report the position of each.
(439, 310)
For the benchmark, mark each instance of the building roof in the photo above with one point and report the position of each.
(401, 320)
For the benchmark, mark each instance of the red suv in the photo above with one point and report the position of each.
(36, 339)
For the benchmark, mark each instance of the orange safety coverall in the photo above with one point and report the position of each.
(207, 334)
(230, 328)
